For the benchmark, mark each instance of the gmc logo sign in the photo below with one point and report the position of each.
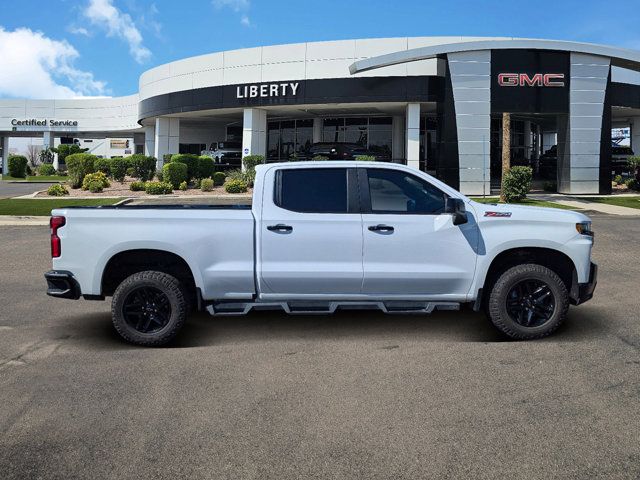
(537, 80)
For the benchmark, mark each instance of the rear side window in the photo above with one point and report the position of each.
(312, 190)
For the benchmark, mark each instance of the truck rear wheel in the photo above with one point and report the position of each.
(149, 308)
(528, 301)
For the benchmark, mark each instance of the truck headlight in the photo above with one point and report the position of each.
(584, 228)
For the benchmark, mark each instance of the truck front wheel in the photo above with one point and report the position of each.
(149, 308)
(528, 301)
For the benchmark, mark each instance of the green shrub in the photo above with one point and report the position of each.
(617, 179)
(517, 183)
(183, 186)
(79, 165)
(206, 184)
(102, 165)
(17, 166)
(205, 167)
(94, 179)
(57, 190)
(190, 160)
(219, 178)
(174, 173)
(550, 187)
(94, 186)
(236, 186)
(633, 163)
(66, 150)
(160, 175)
(119, 167)
(143, 167)
(158, 188)
(137, 186)
(632, 184)
(250, 162)
(237, 175)
(365, 158)
(320, 158)
(166, 158)
(46, 169)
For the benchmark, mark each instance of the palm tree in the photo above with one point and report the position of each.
(506, 150)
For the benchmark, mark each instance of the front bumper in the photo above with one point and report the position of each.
(61, 284)
(585, 290)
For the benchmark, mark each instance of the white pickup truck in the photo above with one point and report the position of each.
(322, 236)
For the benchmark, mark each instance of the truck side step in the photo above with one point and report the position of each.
(326, 308)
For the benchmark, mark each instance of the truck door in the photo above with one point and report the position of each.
(411, 248)
(310, 239)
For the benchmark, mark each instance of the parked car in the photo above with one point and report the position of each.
(548, 164)
(321, 236)
(619, 156)
(227, 153)
(341, 151)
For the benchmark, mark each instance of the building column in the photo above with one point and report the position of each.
(412, 135)
(166, 138)
(5, 155)
(579, 163)
(150, 141)
(317, 130)
(397, 138)
(471, 85)
(254, 132)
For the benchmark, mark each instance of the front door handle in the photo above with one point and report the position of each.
(381, 228)
(281, 227)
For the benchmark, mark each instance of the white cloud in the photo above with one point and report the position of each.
(35, 66)
(103, 14)
(235, 5)
(238, 6)
(78, 30)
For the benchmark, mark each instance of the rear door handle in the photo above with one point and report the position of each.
(281, 227)
(381, 228)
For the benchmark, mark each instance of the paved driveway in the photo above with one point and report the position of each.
(355, 395)
(14, 189)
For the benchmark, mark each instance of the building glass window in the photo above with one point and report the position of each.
(380, 135)
(288, 138)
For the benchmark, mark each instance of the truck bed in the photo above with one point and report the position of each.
(216, 239)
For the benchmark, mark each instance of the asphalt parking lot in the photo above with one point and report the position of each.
(355, 395)
(14, 189)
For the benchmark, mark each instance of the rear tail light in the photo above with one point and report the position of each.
(55, 223)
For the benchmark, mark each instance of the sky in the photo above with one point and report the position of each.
(67, 49)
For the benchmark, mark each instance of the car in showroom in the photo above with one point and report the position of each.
(225, 154)
(341, 151)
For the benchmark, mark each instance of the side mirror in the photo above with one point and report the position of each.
(455, 207)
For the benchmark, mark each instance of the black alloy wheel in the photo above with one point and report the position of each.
(531, 303)
(147, 309)
(527, 301)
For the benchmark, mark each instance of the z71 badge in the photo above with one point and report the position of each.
(497, 214)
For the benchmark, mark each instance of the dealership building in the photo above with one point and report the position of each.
(434, 103)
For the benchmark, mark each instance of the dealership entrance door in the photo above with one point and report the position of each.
(536, 140)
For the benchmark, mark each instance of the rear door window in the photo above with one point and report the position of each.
(312, 190)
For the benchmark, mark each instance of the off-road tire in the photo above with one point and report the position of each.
(166, 284)
(497, 305)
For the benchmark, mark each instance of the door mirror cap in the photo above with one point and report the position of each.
(455, 206)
